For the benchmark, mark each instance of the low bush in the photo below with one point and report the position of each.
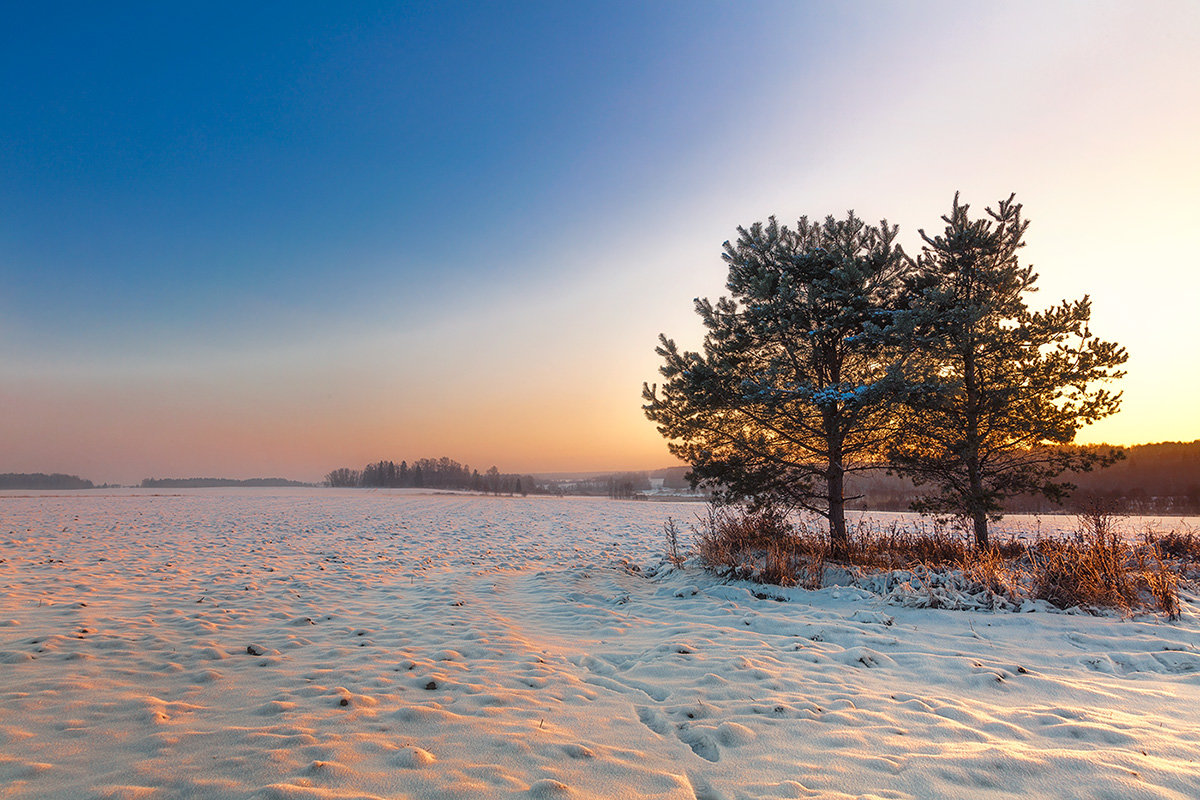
(1084, 572)
(1184, 546)
(767, 544)
(671, 532)
(1095, 569)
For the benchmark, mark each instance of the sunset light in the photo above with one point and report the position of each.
(277, 243)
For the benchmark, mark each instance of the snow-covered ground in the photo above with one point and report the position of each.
(354, 644)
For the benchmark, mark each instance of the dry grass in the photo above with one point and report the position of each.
(1000, 572)
(671, 533)
(1084, 572)
(895, 547)
(1184, 546)
(1098, 568)
(767, 545)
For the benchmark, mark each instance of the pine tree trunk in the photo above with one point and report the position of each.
(975, 500)
(981, 528)
(975, 503)
(836, 486)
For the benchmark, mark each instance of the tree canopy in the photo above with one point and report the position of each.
(836, 353)
(999, 388)
(796, 380)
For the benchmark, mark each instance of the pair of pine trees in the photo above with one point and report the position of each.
(835, 352)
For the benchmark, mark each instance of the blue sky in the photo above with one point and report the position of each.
(175, 162)
(297, 236)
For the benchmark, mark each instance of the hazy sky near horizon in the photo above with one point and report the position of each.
(279, 239)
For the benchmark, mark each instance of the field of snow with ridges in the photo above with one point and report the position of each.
(355, 644)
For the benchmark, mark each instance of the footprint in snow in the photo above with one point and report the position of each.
(653, 720)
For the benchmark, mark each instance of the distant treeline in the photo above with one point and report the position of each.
(431, 473)
(40, 480)
(1159, 478)
(206, 483)
(620, 485)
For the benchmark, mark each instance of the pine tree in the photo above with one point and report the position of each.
(795, 386)
(1003, 390)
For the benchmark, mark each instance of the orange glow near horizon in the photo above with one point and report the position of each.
(153, 427)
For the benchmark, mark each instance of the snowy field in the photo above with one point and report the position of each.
(354, 644)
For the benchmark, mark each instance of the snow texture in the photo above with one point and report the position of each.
(390, 644)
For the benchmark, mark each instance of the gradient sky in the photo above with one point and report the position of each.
(277, 240)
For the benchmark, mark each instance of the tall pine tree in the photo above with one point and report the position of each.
(1003, 390)
(796, 383)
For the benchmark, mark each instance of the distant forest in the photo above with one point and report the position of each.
(1159, 478)
(205, 483)
(431, 473)
(40, 480)
(622, 485)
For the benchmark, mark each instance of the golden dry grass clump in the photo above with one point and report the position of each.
(1096, 568)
